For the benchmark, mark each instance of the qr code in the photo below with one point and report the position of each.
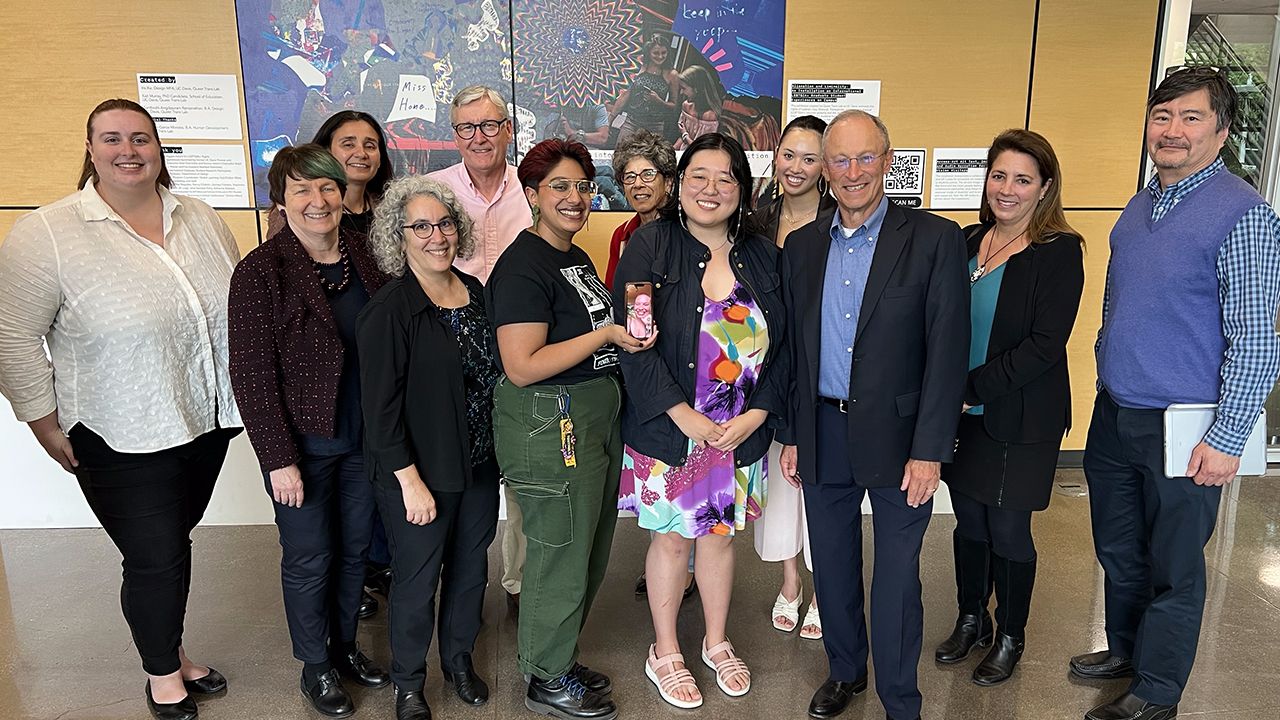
(906, 175)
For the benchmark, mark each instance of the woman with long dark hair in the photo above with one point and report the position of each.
(702, 101)
(649, 101)
(702, 409)
(1026, 275)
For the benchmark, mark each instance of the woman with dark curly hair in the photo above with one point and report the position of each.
(427, 380)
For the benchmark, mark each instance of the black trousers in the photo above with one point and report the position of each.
(1149, 532)
(148, 503)
(451, 551)
(1007, 531)
(324, 545)
(833, 502)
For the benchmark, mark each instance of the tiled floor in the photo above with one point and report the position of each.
(65, 651)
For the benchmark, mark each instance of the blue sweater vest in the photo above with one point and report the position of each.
(1163, 341)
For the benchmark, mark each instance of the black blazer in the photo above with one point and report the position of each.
(1023, 387)
(411, 387)
(764, 219)
(665, 254)
(910, 353)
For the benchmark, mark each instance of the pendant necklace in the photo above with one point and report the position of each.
(981, 270)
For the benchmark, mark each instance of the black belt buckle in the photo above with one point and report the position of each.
(842, 405)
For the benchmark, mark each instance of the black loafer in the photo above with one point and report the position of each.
(470, 688)
(360, 668)
(567, 698)
(184, 709)
(207, 685)
(642, 586)
(368, 606)
(833, 697)
(970, 630)
(689, 590)
(1101, 665)
(328, 696)
(1131, 707)
(596, 682)
(411, 706)
(998, 665)
(378, 578)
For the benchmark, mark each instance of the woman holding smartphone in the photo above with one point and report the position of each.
(703, 408)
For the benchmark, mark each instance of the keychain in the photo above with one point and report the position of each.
(567, 439)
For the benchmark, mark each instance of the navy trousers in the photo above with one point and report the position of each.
(833, 501)
(1149, 532)
(325, 543)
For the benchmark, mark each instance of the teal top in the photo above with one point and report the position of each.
(982, 314)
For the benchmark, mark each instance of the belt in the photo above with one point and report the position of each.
(841, 405)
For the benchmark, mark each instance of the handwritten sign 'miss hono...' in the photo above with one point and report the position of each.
(414, 99)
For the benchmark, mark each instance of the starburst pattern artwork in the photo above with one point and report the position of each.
(576, 53)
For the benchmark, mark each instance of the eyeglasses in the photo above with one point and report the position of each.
(561, 186)
(841, 164)
(630, 178)
(424, 230)
(466, 131)
(1196, 70)
(698, 181)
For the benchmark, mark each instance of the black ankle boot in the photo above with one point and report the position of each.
(566, 697)
(973, 589)
(1014, 582)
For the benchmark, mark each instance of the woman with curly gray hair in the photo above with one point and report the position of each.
(427, 375)
(645, 165)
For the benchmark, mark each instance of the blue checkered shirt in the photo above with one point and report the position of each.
(1248, 267)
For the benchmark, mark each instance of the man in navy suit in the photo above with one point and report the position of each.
(878, 317)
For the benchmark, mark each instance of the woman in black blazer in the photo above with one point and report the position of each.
(427, 374)
(1026, 275)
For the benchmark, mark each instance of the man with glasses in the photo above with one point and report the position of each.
(489, 190)
(1188, 316)
(879, 305)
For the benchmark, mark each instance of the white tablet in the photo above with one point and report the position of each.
(1186, 425)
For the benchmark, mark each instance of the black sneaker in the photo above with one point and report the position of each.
(567, 698)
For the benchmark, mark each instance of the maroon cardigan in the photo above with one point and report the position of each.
(285, 353)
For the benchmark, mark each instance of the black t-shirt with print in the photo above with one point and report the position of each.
(533, 282)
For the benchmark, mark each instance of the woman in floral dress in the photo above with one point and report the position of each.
(701, 411)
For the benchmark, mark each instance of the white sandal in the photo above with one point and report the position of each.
(811, 618)
(728, 668)
(789, 610)
(669, 683)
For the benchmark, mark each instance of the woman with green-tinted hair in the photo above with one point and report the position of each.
(296, 374)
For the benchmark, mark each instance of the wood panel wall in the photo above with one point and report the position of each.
(952, 74)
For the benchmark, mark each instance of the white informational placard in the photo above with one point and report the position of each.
(192, 107)
(215, 174)
(959, 175)
(828, 98)
(761, 162)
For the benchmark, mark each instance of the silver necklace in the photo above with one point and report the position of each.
(981, 270)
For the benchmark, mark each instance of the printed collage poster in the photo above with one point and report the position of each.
(591, 70)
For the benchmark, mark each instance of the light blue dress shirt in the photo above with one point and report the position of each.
(845, 282)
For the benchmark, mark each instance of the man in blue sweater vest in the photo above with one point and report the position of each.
(1189, 316)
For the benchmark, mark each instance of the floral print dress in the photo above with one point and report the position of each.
(708, 494)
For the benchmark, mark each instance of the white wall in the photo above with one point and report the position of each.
(36, 493)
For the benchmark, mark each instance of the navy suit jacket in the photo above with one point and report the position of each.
(910, 353)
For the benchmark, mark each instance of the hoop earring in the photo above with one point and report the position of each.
(823, 187)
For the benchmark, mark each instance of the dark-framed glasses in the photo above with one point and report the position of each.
(841, 164)
(561, 186)
(697, 181)
(647, 175)
(466, 131)
(424, 230)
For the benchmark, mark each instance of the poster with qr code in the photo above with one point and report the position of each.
(904, 183)
(959, 175)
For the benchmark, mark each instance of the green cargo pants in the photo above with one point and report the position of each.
(569, 512)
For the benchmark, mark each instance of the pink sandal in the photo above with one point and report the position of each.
(728, 668)
(672, 681)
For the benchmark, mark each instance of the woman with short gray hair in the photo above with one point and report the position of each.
(644, 163)
(427, 374)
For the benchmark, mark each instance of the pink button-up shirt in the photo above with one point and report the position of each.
(497, 221)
